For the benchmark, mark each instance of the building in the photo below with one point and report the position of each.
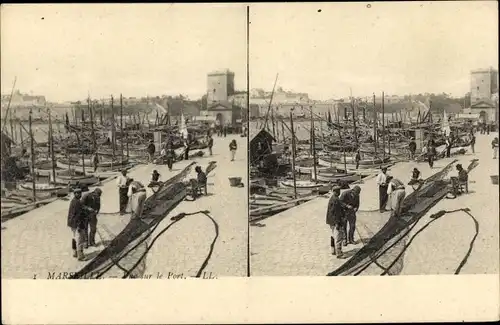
(220, 86)
(23, 100)
(261, 145)
(484, 96)
(484, 83)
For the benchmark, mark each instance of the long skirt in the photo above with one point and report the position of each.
(123, 198)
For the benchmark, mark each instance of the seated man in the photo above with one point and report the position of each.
(415, 181)
(202, 179)
(463, 178)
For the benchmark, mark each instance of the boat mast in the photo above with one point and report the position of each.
(121, 124)
(313, 145)
(8, 105)
(113, 136)
(383, 128)
(293, 157)
(32, 145)
(375, 125)
(51, 146)
(94, 142)
(270, 103)
(354, 122)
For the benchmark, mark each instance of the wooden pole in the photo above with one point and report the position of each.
(354, 123)
(313, 143)
(375, 126)
(8, 104)
(51, 144)
(32, 145)
(283, 130)
(383, 128)
(91, 113)
(389, 141)
(272, 121)
(21, 134)
(113, 131)
(121, 125)
(293, 157)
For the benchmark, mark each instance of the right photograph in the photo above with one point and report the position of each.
(373, 139)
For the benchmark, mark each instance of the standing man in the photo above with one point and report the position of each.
(210, 144)
(472, 142)
(95, 161)
(350, 200)
(232, 148)
(335, 219)
(431, 151)
(448, 147)
(357, 158)
(122, 182)
(382, 188)
(138, 198)
(76, 222)
(225, 131)
(412, 146)
(92, 205)
(396, 190)
(151, 150)
(494, 146)
(186, 149)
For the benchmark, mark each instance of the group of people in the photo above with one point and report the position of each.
(341, 218)
(130, 192)
(392, 188)
(82, 220)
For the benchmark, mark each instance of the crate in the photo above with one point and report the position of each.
(234, 181)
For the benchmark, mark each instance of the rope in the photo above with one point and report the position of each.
(175, 219)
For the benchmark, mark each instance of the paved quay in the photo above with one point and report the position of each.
(296, 242)
(37, 243)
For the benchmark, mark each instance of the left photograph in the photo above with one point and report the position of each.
(124, 141)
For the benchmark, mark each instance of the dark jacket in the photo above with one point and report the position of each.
(232, 146)
(348, 197)
(151, 148)
(202, 178)
(91, 201)
(76, 215)
(415, 174)
(210, 143)
(334, 212)
(412, 146)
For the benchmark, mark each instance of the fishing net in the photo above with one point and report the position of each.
(384, 251)
(156, 208)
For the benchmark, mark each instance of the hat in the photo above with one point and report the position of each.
(415, 168)
(98, 191)
(155, 171)
(356, 189)
(383, 168)
(459, 165)
(335, 188)
(77, 190)
(389, 178)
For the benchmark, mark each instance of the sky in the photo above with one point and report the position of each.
(400, 48)
(67, 51)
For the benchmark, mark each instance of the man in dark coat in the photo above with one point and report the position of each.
(77, 223)
(92, 205)
(412, 146)
(151, 151)
(210, 144)
(350, 199)
(335, 218)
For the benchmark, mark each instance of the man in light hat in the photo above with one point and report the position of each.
(92, 205)
(382, 188)
(123, 183)
(350, 199)
(76, 222)
(137, 198)
(335, 219)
